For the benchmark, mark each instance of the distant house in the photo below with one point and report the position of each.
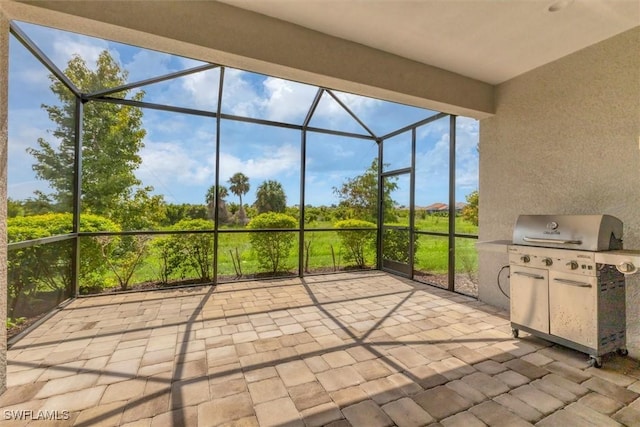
(443, 207)
(460, 206)
(436, 207)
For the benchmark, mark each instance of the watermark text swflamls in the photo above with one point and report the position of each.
(40, 415)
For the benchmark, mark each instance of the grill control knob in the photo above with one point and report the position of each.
(547, 261)
(525, 258)
(573, 265)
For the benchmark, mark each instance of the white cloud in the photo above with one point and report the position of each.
(287, 101)
(239, 97)
(200, 90)
(34, 76)
(188, 62)
(66, 45)
(435, 160)
(359, 105)
(330, 114)
(433, 129)
(160, 124)
(467, 170)
(146, 64)
(168, 161)
(272, 99)
(265, 164)
(433, 163)
(25, 127)
(171, 168)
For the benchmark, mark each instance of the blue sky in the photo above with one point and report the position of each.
(179, 153)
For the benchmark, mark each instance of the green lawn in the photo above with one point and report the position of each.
(325, 253)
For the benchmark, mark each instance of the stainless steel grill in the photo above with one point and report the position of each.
(561, 290)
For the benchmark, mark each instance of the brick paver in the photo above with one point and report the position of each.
(279, 412)
(266, 390)
(321, 415)
(540, 400)
(496, 415)
(588, 414)
(512, 379)
(336, 379)
(366, 414)
(350, 349)
(600, 403)
(611, 390)
(442, 402)
(467, 391)
(407, 413)
(489, 386)
(628, 416)
(518, 407)
(462, 419)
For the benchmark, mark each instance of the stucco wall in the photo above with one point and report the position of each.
(4, 69)
(565, 140)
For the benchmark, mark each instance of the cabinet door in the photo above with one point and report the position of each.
(573, 308)
(530, 297)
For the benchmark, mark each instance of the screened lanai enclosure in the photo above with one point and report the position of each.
(132, 169)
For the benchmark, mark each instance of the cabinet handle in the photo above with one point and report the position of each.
(531, 275)
(573, 283)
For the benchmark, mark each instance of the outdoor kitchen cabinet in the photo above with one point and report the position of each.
(532, 287)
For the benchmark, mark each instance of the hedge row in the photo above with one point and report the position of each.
(110, 261)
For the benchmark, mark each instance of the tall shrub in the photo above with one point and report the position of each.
(94, 272)
(46, 268)
(356, 241)
(395, 245)
(123, 255)
(187, 254)
(272, 248)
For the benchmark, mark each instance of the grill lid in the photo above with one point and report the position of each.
(579, 232)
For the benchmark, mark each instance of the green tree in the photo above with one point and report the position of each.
(360, 195)
(14, 208)
(139, 210)
(239, 185)
(470, 212)
(112, 137)
(175, 213)
(270, 197)
(210, 199)
(211, 194)
(39, 205)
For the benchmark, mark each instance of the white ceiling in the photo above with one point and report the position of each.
(489, 40)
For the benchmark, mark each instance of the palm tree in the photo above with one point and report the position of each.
(270, 197)
(210, 199)
(211, 194)
(239, 185)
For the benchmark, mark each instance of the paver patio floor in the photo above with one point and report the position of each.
(362, 349)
